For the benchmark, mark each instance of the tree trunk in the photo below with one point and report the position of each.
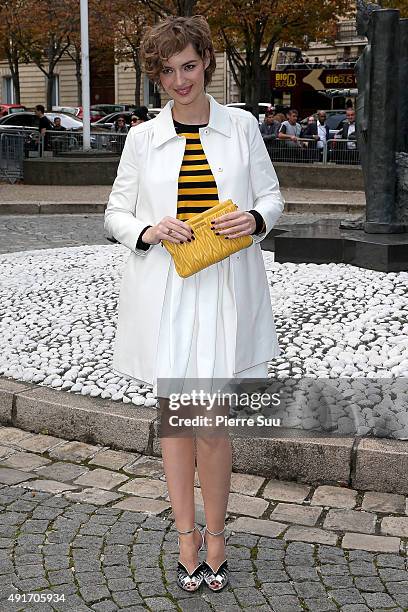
(78, 77)
(15, 72)
(13, 64)
(138, 83)
(50, 78)
(255, 84)
(16, 85)
(247, 78)
(188, 8)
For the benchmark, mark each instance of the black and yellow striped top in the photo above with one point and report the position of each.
(197, 189)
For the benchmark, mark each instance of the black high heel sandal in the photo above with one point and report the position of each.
(190, 581)
(221, 574)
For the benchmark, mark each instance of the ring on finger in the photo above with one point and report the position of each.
(170, 232)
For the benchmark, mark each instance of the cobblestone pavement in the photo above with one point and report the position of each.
(26, 232)
(89, 528)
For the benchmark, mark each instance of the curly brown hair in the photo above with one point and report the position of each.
(171, 36)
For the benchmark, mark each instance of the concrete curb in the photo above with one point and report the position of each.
(49, 208)
(369, 463)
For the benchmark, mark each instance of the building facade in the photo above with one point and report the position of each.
(115, 82)
(346, 48)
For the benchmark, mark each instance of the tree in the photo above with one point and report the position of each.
(250, 29)
(43, 28)
(181, 8)
(11, 49)
(402, 5)
(128, 22)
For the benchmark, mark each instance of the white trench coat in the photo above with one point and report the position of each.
(145, 191)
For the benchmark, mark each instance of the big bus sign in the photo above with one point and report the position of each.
(317, 79)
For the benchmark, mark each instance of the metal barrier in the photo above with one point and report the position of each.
(16, 145)
(58, 142)
(301, 151)
(11, 156)
(341, 151)
(306, 151)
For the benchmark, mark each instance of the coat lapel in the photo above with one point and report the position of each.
(220, 121)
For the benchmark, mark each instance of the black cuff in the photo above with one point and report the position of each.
(259, 221)
(140, 244)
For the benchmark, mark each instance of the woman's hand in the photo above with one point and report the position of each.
(235, 224)
(179, 231)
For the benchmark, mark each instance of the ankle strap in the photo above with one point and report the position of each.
(215, 533)
(188, 531)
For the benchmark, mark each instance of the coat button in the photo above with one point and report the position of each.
(205, 131)
(220, 169)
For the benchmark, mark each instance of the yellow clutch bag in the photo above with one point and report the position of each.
(207, 248)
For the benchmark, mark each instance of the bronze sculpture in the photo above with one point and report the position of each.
(381, 117)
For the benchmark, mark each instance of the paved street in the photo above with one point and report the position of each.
(26, 232)
(92, 528)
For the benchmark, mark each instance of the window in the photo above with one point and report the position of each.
(8, 89)
(151, 94)
(55, 91)
(21, 119)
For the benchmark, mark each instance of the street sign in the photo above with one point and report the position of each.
(318, 79)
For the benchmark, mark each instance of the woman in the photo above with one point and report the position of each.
(217, 323)
(139, 115)
(119, 126)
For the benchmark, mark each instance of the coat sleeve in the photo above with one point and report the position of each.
(120, 220)
(268, 200)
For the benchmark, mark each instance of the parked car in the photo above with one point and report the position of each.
(78, 111)
(24, 123)
(27, 123)
(29, 119)
(334, 120)
(112, 108)
(262, 108)
(107, 121)
(8, 109)
(23, 119)
(153, 112)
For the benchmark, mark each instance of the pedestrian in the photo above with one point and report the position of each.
(347, 129)
(58, 126)
(120, 129)
(139, 115)
(135, 120)
(290, 129)
(60, 142)
(269, 128)
(290, 133)
(346, 150)
(217, 323)
(319, 131)
(279, 117)
(45, 126)
(119, 126)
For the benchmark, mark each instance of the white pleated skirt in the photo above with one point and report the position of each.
(198, 331)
